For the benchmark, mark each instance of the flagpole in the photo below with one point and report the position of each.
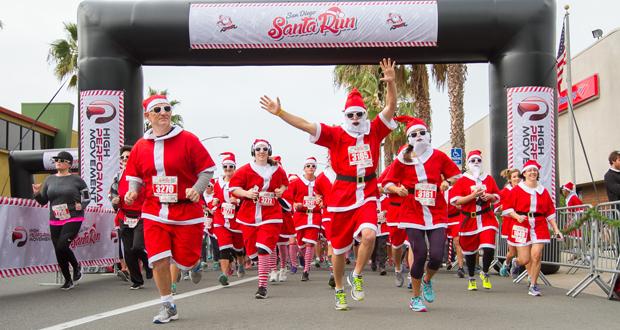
(569, 94)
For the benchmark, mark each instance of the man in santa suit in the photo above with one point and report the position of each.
(572, 200)
(172, 169)
(475, 192)
(260, 184)
(323, 188)
(354, 149)
(307, 216)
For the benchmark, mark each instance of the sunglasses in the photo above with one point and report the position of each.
(358, 114)
(310, 166)
(228, 167)
(265, 149)
(159, 109)
(124, 157)
(58, 160)
(476, 161)
(414, 134)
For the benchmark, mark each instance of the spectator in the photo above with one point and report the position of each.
(612, 185)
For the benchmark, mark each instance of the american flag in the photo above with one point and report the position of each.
(561, 60)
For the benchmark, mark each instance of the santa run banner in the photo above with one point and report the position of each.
(531, 131)
(26, 246)
(313, 24)
(101, 137)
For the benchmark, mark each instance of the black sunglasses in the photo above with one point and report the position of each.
(310, 166)
(58, 160)
(358, 114)
(261, 149)
(414, 134)
(228, 166)
(165, 108)
(475, 160)
(124, 157)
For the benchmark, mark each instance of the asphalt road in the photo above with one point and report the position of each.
(104, 302)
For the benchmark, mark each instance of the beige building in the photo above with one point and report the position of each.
(598, 118)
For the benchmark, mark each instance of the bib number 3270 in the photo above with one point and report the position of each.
(166, 188)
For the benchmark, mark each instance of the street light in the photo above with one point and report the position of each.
(597, 34)
(216, 137)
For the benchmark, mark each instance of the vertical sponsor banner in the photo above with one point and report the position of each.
(101, 137)
(531, 131)
(236, 25)
(26, 245)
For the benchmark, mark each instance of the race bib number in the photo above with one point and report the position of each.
(426, 193)
(266, 198)
(131, 222)
(475, 187)
(309, 202)
(166, 188)
(360, 156)
(519, 234)
(228, 210)
(381, 217)
(61, 212)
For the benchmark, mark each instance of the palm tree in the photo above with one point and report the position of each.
(176, 119)
(64, 53)
(457, 74)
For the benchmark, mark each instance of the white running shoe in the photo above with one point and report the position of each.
(273, 276)
(282, 277)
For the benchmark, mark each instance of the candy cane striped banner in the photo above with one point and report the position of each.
(531, 130)
(313, 24)
(101, 137)
(25, 242)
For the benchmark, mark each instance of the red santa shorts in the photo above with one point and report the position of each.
(264, 236)
(182, 243)
(288, 228)
(470, 244)
(227, 239)
(397, 236)
(307, 235)
(348, 225)
(453, 230)
(523, 234)
(383, 229)
(326, 226)
(506, 226)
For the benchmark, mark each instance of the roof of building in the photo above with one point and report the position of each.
(27, 119)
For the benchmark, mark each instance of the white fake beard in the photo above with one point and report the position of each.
(362, 128)
(420, 147)
(475, 169)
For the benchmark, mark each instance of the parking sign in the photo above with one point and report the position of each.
(457, 156)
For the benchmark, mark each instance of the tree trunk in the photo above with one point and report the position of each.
(457, 74)
(422, 99)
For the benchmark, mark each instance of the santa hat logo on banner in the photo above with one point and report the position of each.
(153, 100)
(411, 123)
(355, 102)
(229, 158)
(530, 164)
(474, 154)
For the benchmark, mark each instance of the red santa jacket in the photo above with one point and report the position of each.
(303, 192)
(422, 177)
(323, 187)
(478, 214)
(225, 205)
(265, 179)
(166, 166)
(535, 203)
(356, 156)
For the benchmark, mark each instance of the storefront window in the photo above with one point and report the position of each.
(27, 139)
(13, 137)
(3, 132)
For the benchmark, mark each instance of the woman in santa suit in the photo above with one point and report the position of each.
(513, 177)
(225, 227)
(260, 184)
(423, 173)
(532, 208)
(475, 192)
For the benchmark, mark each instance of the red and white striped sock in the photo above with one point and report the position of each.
(283, 255)
(308, 257)
(293, 250)
(273, 261)
(263, 269)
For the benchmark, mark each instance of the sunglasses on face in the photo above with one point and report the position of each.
(414, 134)
(228, 167)
(61, 161)
(358, 114)
(265, 149)
(166, 108)
(476, 161)
(124, 157)
(310, 166)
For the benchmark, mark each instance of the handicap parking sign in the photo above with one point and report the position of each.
(457, 156)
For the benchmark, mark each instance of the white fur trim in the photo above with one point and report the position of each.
(159, 256)
(354, 108)
(416, 127)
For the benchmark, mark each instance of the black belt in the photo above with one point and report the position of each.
(132, 214)
(531, 214)
(475, 214)
(309, 212)
(453, 215)
(394, 204)
(411, 191)
(357, 179)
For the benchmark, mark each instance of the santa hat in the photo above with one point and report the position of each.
(530, 164)
(261, 142)
(474, 153)
(311, 161)
(569, 186)
(229, 158)
(211, 183)
(277, 159)
(292, 177)
(355, 102)
(412, 123)
(153, 100)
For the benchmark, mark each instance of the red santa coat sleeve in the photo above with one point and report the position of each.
(448, 168)
(393, 177)
(459, 190)
(239, 180)
(508, 203)
(133, 172)
(199, 156)
(550, 207)
(325, 135)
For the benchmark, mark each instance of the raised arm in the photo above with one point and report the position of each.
(389, 77)
(275, 109)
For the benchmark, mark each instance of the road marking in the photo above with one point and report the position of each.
(145, 304)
